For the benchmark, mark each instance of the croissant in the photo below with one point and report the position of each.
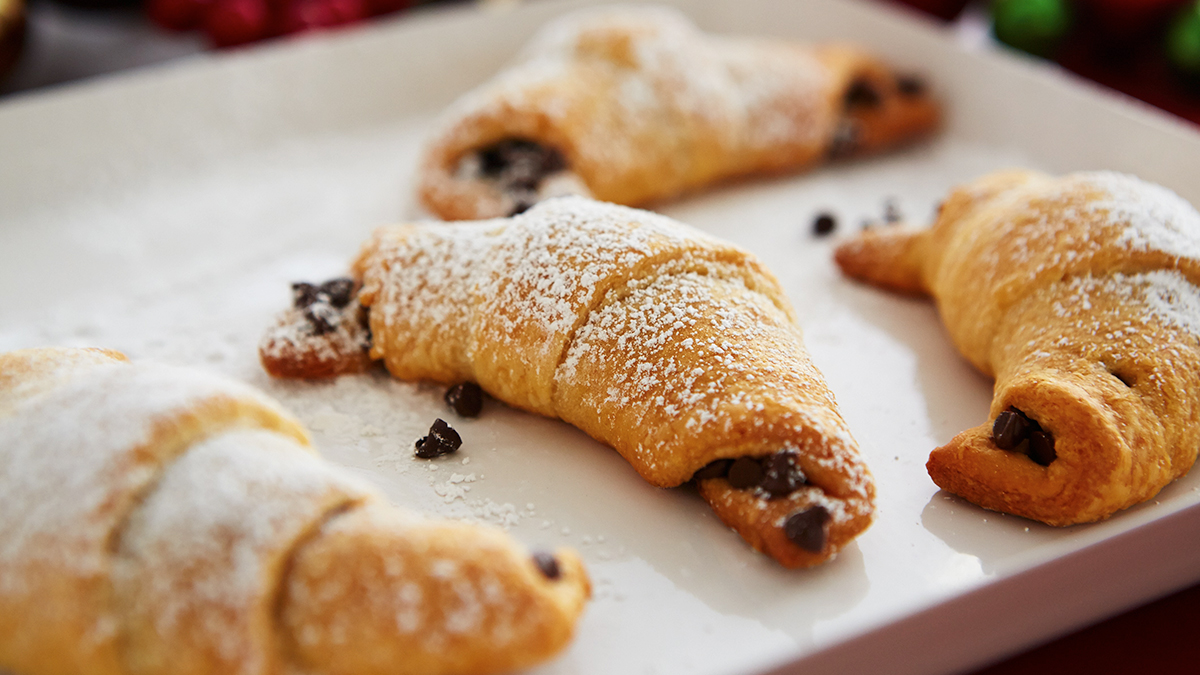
(635, 105)
(676, 349)
(1078, 295)
(161, 520)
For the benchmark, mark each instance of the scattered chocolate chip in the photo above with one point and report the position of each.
(891, 211)
(547, 564)
(715, 469)
(442, 440)
(845, 139)
(1010, 428)
(910, 85)
(304, 294)
(781, 474)
(521, 206)
(824, 224)
(806, 528)
(465, 398)
(339, 291)
(862, 94)
(1041, 447)
(745, 473)
(322, 317)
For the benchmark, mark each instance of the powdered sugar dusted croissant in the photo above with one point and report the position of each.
(634, 105)
(161, 520)
(1079, 295)
(678, 350)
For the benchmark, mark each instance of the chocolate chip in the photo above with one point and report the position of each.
(465, 398)
(304, 294)
(806, 528)
(1041, 447)
(891, 211)
(519, 164)
(781, 474)
(745, 473)
(1010, 428)
(910, 85)
(547, 564)
(845, 139)
(322, 317)
(339, 291)
(715, 469)
(521, 206)
(823, 224)
(442, 440)
(862, 94)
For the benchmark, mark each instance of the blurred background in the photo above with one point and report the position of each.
(1148, 49)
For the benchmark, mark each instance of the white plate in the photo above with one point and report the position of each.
(164, 213)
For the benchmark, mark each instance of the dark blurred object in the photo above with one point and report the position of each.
(1159, 637)
(1183, 44)
(229, 23)
(1034, 26)
(947, 10)
(12, 33)
(99, 4)
(1148, 49)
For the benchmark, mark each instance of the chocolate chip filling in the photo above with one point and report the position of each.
(777, 475)
(715, 469)
(304, 294)
(321, 303)
(519, 166)
(745, 473)
(322, 317)
(339, 291)
(808, 528)
(1015, 432)
(442, 440)
(547, 564)
(862, 94)
(782, 474)
(465, 398)
(824, 224)
(910, 85)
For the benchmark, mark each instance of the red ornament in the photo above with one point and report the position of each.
(234, 22)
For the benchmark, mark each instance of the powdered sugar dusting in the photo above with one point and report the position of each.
(1153, 218)
(507, 285)
(200, 557)
(675, 97)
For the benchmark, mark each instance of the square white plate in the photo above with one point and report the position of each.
(165, 212)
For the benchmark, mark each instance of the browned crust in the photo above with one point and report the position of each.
(687, 153)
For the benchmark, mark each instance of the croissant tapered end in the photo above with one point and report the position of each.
(1078, 469)
(377, 592)
(889, 258)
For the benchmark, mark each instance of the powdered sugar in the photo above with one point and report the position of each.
(1153, 217)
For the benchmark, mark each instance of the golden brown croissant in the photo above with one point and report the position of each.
(1078, 295)
(634, 105)
(676, 349)
(160, 520)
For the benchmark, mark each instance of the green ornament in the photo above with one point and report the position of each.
(1183, 41)
(1034, 26)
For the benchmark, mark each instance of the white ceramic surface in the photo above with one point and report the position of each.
(164, 213)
